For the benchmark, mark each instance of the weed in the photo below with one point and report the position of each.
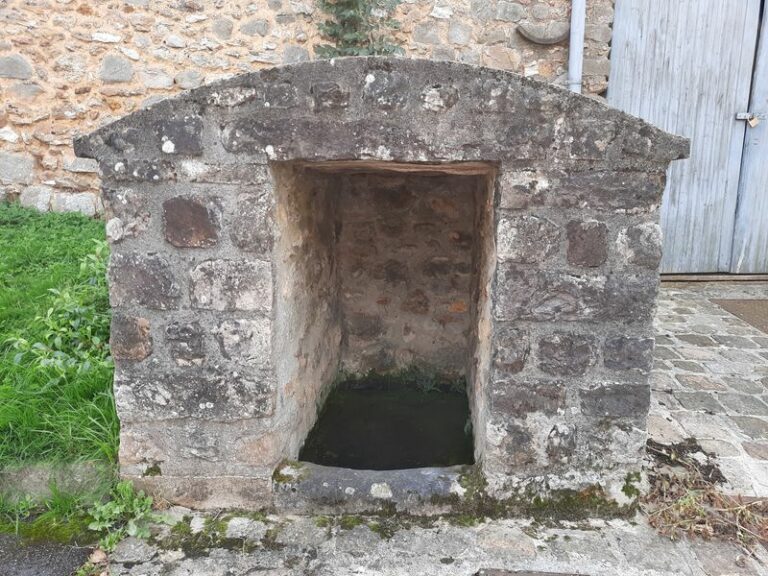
(127, 513)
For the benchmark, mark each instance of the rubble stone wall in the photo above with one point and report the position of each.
(405, 268)
(70, 66)
(197, 278)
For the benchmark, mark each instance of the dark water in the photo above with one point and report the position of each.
(391, 429)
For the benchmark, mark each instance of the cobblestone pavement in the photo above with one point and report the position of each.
(710, 379)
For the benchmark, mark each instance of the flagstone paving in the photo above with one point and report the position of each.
(710, 380)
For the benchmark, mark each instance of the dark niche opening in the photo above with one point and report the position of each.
(386, 267)
(393, 422)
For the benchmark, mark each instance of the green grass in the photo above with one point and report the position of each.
(56, 402)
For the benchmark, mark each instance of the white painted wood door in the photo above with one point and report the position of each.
(686, 66)
(750, 240)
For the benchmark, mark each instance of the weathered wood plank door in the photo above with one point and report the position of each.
(750, 241)
(686, 66)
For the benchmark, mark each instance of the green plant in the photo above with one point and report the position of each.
(56, 402)
(127, 513)
(74, 332)
(358, 28)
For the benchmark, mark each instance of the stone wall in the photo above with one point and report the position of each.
(405, 265)
(69, 66)
(209, 388)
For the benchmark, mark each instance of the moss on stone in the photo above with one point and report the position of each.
(476, 503)
(280, 477)
(153, 470)
(269, 541)
(49, 528)
(629, 489)
(385, 527)
(425, 379)
(213, 535)
(349, 522)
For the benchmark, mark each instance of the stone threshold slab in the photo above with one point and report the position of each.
(303, 487)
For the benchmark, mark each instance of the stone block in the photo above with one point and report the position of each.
(541, 295)
(609, 191)
(511, 348)
(16, 168)
(416, 302)
(189, 79)
(252, 227)
(218, 397)
(566, 353)
(517, 445)
(180, 135)
(426, 33)
(156, 79)
(192, 222)
(522, 189)
(115, 69)
(527, 239)
(616, 401)
(8, 134)
(329, 96)
(130, 337)
(518, 397)
(185, 342)
(480, 10)
(83, 202)
(231, 285)
(15, 66)
(248, 342)
(386, 90)
(366, 327)
(126, 204)
(641, 245)
(222, 28)
(253, 27)
(628, 353)
(81, 166)
(459, 33)
(213, 493)
(37, 197)
(545, 295)
(631, 297)
(142, 280)
(587, 243)
(510, 11)
(294, 54)
(561, 443)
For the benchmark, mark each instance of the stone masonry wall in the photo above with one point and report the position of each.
(565, 297)
(70, 66)
(405, 266)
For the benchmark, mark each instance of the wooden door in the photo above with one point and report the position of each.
(750, 241)
(686, 66)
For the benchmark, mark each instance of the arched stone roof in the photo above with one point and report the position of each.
(381, 109)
